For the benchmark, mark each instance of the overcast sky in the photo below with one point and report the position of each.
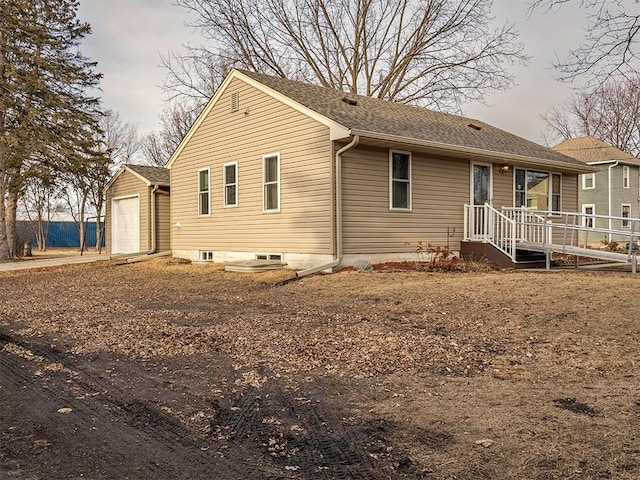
(130, 35)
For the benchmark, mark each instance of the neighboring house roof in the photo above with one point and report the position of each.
(149, 175)
(593, 151)
(388, 121)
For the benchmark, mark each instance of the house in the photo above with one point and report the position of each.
(317, 178)
(613, 190)
(137, 210)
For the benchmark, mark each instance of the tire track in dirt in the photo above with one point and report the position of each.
(106, 434)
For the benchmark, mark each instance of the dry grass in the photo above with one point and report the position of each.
(451, 359)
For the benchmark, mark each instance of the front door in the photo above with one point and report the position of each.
(481, 193)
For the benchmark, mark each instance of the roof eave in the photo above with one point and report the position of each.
(477, 153)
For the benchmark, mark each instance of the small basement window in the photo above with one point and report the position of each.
(269, 256)
(206, 255)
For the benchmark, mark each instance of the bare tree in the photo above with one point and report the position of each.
(118, 143)
(610, 112)
(610, 46)
(438, 53)
(176, 120)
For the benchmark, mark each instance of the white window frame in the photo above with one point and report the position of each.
(264, 183)
(409, 182)
(625, 176)
(626, 224)
(225, 185)
(591, 175)
(585, 217)
(526, 190)
(200, 192)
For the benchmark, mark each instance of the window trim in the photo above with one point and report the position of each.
(264, 183)
(208, 191)
(626, 175)
(409, 181)
(585, 215)
(584, 181)
(225, 185)
(625, 224)
(550, 193)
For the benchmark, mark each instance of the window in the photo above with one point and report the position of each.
(269, 256)
(626, 213)
(556, 188)
(206, 255)
(230, 181)
(538, 190)
(625, 176)
(588, 181)
(400, 180)
(203, 191)
(271, 182)
(587, 219)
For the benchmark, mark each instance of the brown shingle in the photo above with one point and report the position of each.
(394, 119)
(589, 149)
(155, 175)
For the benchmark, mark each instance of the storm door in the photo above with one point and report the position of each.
(481, 193)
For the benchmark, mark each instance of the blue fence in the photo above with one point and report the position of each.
(64, 234)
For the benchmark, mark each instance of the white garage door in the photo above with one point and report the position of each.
(125, 225)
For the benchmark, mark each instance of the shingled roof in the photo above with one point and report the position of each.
(591, 150)
(149, 175)
(154, 175)
(367, 116)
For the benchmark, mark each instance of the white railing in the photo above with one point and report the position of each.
(568, 232)
(579, 230)
(484, 223)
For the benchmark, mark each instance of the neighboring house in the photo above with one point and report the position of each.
(613, 190)
(316, 177)
(137, 210)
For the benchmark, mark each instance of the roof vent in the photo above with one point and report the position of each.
(350, 100)
(235, 102)
(474, 126)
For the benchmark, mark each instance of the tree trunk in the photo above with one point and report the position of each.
(4, 245)
(10, 222)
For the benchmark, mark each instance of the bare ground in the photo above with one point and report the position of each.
(165, 370)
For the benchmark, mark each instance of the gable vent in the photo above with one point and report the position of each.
(235, 102)
(474, 126)
(350, 101)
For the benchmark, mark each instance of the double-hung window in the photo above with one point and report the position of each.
(538, 190)
(588, 181)
(271, 182)
(399, 180)
(626, 213)
(230, 181)
(625, 176)
(203, 191)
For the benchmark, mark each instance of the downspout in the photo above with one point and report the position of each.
(609, 192)
(152, 216)
(338, 259)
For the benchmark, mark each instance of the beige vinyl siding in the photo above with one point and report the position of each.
(570, 193)
(440, 188)
(128, 184)
(163, 229)
(503, 187)
(261, 126)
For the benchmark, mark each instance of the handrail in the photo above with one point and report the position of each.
(551, 231)
(485, 223)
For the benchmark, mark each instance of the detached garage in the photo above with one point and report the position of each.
(137, 210)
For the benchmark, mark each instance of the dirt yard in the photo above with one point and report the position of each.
(170, 371)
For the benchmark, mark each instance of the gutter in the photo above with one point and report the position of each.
(481, 154)
(609, 192)
(338, 259)
(152, 218)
